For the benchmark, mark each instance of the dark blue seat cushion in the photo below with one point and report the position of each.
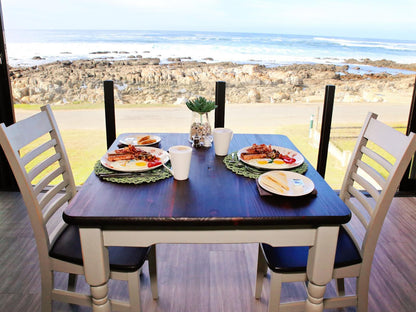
(294, 259)
(123, 259)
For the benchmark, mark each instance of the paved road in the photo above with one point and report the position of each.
(257, 118)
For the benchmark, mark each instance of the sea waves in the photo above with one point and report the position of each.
(34, 47)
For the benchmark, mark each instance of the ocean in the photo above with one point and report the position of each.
(34, 47)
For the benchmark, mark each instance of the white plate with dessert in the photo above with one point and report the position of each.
(141, 140)
(286, 183)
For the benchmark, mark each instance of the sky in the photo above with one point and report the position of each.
(389, 19)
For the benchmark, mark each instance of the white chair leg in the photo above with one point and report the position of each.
(47, 286)
(275, 290)
(362, 292)
(72, 282)
(153, 271)
(340, 286)
(261, 272)
(134, 291)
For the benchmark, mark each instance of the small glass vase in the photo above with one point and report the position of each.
(201, 129)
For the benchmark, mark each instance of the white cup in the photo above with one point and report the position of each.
(180, 158)
(222, 139)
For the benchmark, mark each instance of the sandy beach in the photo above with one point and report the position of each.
(242, 118)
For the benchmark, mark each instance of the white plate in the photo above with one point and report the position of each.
(133, 140)
(135, 165)
(295, 183)
(265, 163)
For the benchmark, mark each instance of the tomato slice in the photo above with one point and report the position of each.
(287, 159)
(153, 164)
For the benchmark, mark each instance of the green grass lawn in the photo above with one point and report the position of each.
(86, 147)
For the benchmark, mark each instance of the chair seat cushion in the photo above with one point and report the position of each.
(123, 259)
(294, 259)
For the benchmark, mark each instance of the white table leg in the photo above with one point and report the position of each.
(96, 266)
(320, 266)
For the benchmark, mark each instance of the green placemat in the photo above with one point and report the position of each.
(238, 167)
(144, 177)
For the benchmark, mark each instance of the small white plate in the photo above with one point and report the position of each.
(277, 164)
(135, 165)
(135, 140)
(289, 183)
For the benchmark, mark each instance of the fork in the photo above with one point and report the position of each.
(125, 174)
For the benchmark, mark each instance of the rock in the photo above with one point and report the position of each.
(372, 97)
(145, 80)
(280, 97)
(295, 80)
(254, 95)
(180, 101)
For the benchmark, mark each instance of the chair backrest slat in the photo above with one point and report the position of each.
(50, 194)
(42, 166)
(370, 167)
(378, 158)
(37, 156)
(356, 212)
(28, 130)
(364, 202)
(366, 183)
(47, 179)
(386, 137)
(28, 157)
(373, 173)
(54, 206)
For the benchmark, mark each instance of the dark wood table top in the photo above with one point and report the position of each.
(213, 196)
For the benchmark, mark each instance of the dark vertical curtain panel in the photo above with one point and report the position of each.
(7, 181)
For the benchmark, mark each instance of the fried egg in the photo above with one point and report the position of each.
(262, 162)
(141, 163)
(278, 161)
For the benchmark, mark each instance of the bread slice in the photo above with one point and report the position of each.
(277, 181)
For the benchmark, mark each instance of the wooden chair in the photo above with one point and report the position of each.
(58, 244)
(368, 170)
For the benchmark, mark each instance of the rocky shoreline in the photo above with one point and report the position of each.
(147, 81)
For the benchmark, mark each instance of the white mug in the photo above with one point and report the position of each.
(180, 159)
(222, 139)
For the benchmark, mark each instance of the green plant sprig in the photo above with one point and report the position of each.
(201, 105)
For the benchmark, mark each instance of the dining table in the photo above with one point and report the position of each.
(214, 205)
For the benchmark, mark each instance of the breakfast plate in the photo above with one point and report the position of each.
(289, 159)
(286, 183)
(141, 140)
(136, 165)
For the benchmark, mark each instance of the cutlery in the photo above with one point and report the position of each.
(125, 174)
(253, 170)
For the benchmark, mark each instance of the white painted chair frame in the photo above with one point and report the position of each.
(42, 205)
(370, 211)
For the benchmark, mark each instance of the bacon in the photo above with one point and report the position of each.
(248, 156)
(260, 151)
(115, 157)
(131, 152)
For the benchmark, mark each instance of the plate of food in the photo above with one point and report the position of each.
(141, 140)
(135, 159)
(286, 183)
(270, 157)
